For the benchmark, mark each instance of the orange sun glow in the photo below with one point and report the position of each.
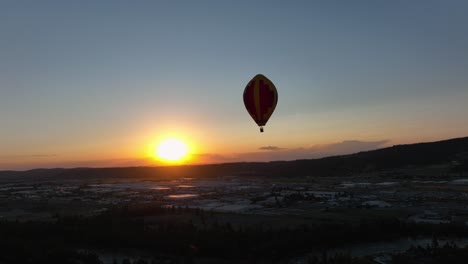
(172, 150)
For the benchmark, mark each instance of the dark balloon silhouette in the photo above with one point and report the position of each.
(260, 98)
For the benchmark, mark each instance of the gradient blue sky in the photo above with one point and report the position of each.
(92, 82)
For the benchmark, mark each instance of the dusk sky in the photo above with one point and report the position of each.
(100, 83)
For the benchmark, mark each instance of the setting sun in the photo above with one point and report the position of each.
(172, 150)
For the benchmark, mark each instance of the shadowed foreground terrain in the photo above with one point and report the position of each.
(196, 236)
(403, 204)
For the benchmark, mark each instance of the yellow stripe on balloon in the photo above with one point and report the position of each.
(270, 110)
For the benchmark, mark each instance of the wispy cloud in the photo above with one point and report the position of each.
(265, 153)
(269, 153)
(205, 158)
(348, 146)
(22, 156)
(270, 148)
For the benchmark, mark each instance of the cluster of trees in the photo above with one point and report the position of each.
(435, 253)
(460, 167)
(338, 259)
(34, 252)
(185, 241)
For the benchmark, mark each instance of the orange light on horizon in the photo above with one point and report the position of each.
(171, 151)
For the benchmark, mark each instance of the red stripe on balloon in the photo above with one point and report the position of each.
(249, 99)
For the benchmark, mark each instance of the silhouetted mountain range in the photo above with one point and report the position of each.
(452, 153)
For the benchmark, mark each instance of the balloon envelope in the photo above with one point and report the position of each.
(260, 98)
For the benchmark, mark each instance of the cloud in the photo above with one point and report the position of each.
(26, 165)
(28, 156)
(206, 158)
(270, 148)
(271, 153)
(266, 153)
(348, 147)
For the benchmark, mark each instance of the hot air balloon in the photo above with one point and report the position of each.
(260, 98)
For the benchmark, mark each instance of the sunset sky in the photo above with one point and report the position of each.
(100, 83)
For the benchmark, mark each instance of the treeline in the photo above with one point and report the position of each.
(186, 241)
(433, 254)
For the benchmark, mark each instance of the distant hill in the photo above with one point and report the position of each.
(453, 152)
